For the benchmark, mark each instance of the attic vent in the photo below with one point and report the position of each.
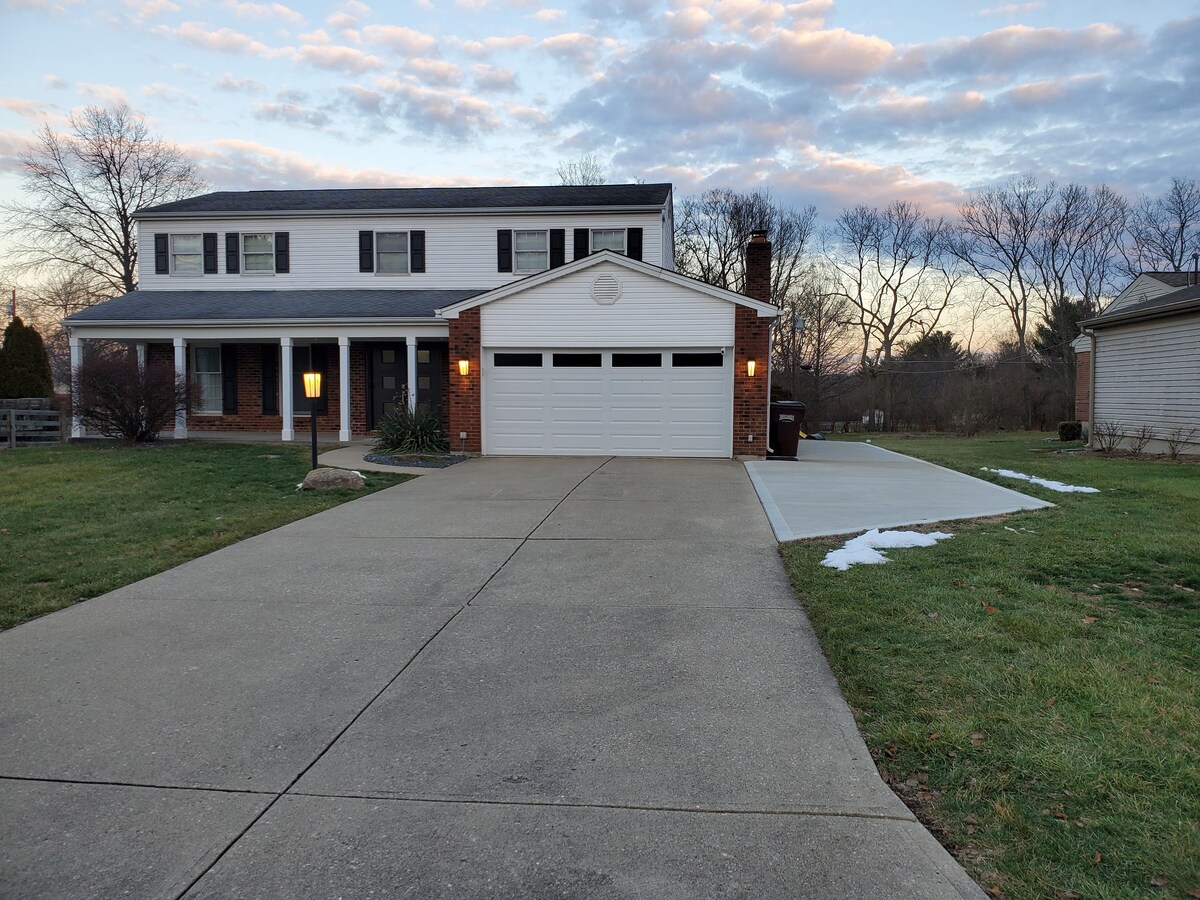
(606, 289)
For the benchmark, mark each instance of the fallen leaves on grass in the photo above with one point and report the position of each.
(976, 738)
(1088, 620)
(988, 608)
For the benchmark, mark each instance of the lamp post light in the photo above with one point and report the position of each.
(312, 390)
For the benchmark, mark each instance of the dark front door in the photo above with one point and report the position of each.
(389, 369)
(431, 376)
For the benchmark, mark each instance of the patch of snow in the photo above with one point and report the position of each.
(864, 549)
(1044, 482)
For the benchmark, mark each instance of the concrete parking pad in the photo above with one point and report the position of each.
(842, 487)
(104, 840)
(335, 847)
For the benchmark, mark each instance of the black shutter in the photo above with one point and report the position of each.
(232, 257)
(416, 251)
(283, 254)
(210, 253)
(320, 364)
(229, 379)
(162, 262)
(633, 243)
(270, 379)
(366, 251)
(504, 253)
(558, 247)
(583, 242)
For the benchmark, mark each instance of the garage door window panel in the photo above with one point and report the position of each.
(637, 360)
(577, 360)
(517, 360)
(531, 250)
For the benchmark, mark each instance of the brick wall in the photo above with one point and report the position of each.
(465, 394)
(751, 341)
(1083, 386)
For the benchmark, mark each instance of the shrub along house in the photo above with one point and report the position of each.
(538, 320)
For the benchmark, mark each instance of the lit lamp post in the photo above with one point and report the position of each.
(312, 390)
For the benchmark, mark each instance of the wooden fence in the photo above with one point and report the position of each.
(28, 427)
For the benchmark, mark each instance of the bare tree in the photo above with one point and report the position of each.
(1165, 230)
(814, 341)
(82, 189)
(586, 170)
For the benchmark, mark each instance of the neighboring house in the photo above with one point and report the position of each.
(1138, 362)
(538, 320)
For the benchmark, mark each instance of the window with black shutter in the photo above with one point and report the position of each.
(633, 239)
(233, 249)
(583, 242)
(283, 254)
(416, 249)
(504, 250)
(366, 251)
(210, 253)
(229, 398)
(162, 261)
(558, 247)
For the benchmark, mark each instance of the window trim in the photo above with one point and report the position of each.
(624, 251)
(407, 253)
(246, 270)
(545, 233)
(220, 373)
(171, 254)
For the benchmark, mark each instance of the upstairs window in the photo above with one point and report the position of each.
(531, 251)
(258, 253)
(608, 239)
(391, 252)
(187, 254)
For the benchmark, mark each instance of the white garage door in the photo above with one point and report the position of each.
(668, 402)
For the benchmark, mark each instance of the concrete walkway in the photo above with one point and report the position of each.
(842, 487)
(519, 678)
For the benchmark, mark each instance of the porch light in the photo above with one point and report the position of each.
(312, 390)
(464, 367)
(750, 366)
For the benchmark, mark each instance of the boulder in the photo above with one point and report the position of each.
(332, 480)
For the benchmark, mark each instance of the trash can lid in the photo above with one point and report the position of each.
(793, 404)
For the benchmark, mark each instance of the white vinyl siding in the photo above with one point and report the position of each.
(460, 250)
(258, 253)
(1144, 287)
(1148, 374)
(206, 369)
(391, 252)
(650, 312)
(187, 254)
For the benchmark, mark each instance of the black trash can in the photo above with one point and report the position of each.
(787, 421)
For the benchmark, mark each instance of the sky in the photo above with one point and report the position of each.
(828, 102)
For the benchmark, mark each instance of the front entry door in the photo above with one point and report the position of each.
(389, 370)
(431, 376)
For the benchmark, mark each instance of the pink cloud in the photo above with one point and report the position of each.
(493, 78)
(338, 58)
(836, 55)
(225, 40)
(25, 108)
(275, 11)
(549, 16)
(434, 71)
(405, 40)
(108, 94)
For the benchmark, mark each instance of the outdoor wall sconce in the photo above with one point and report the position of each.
(464, 367)
(750, 366)
(312, 390)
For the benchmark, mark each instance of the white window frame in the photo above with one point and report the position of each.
(246, 270)
(624, 251)
(545, 233)
(172, 254)
(203, 407)
(407, 254)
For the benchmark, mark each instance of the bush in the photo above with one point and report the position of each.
(1070, 431)
(121, 399)
(410, 433)
(24, 365)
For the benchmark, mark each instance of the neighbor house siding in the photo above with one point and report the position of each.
(1147, 374)
(1083, 385)
(650, 313)
(1144, 287)
(460, 251)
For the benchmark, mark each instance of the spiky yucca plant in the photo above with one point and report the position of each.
(410, 433)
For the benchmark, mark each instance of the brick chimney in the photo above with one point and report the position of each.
(758, 267)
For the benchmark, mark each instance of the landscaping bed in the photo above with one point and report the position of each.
(1031, 687)
(77, 521)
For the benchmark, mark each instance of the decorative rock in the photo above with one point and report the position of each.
(332, 479)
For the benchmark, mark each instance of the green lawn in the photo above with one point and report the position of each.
(77, 521)
(1032, 686)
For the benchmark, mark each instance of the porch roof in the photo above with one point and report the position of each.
(232, 307)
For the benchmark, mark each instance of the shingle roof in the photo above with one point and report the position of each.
(1163, 304)
(352, 199)
(240, 306)
(1174, 279)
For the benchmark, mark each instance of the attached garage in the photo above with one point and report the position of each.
(610, 356)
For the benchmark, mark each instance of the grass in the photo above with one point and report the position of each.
(1032, 686)
(77, 521)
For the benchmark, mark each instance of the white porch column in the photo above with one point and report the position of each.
(140, 348)
(180, 375)
(285, 389)
(344, 387)
(76, 362)
(410, 342)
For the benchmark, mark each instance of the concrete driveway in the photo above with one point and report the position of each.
(552, 677)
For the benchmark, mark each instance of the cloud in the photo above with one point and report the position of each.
(224, 40)
(434, 71)
(1011, 9)
(449, 112)
(54, 82)
(492, 78)
(336, 58)
(233, 84)
(550, 16)
(574, 48)
(405, 40)
(147, 10)
(108, 94)
(167, 93)
(292, 114)
(274, 11)
(494, 44)
(829, 57)
(27, 109)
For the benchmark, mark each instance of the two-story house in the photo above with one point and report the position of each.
(537, 320)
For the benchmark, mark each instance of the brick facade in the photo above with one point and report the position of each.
(465, 394)
(752, 341)
(1083, 386)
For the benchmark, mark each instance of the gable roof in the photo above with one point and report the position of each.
(394, 200)
(242, 307)
(1182, 300)
(765, 310)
